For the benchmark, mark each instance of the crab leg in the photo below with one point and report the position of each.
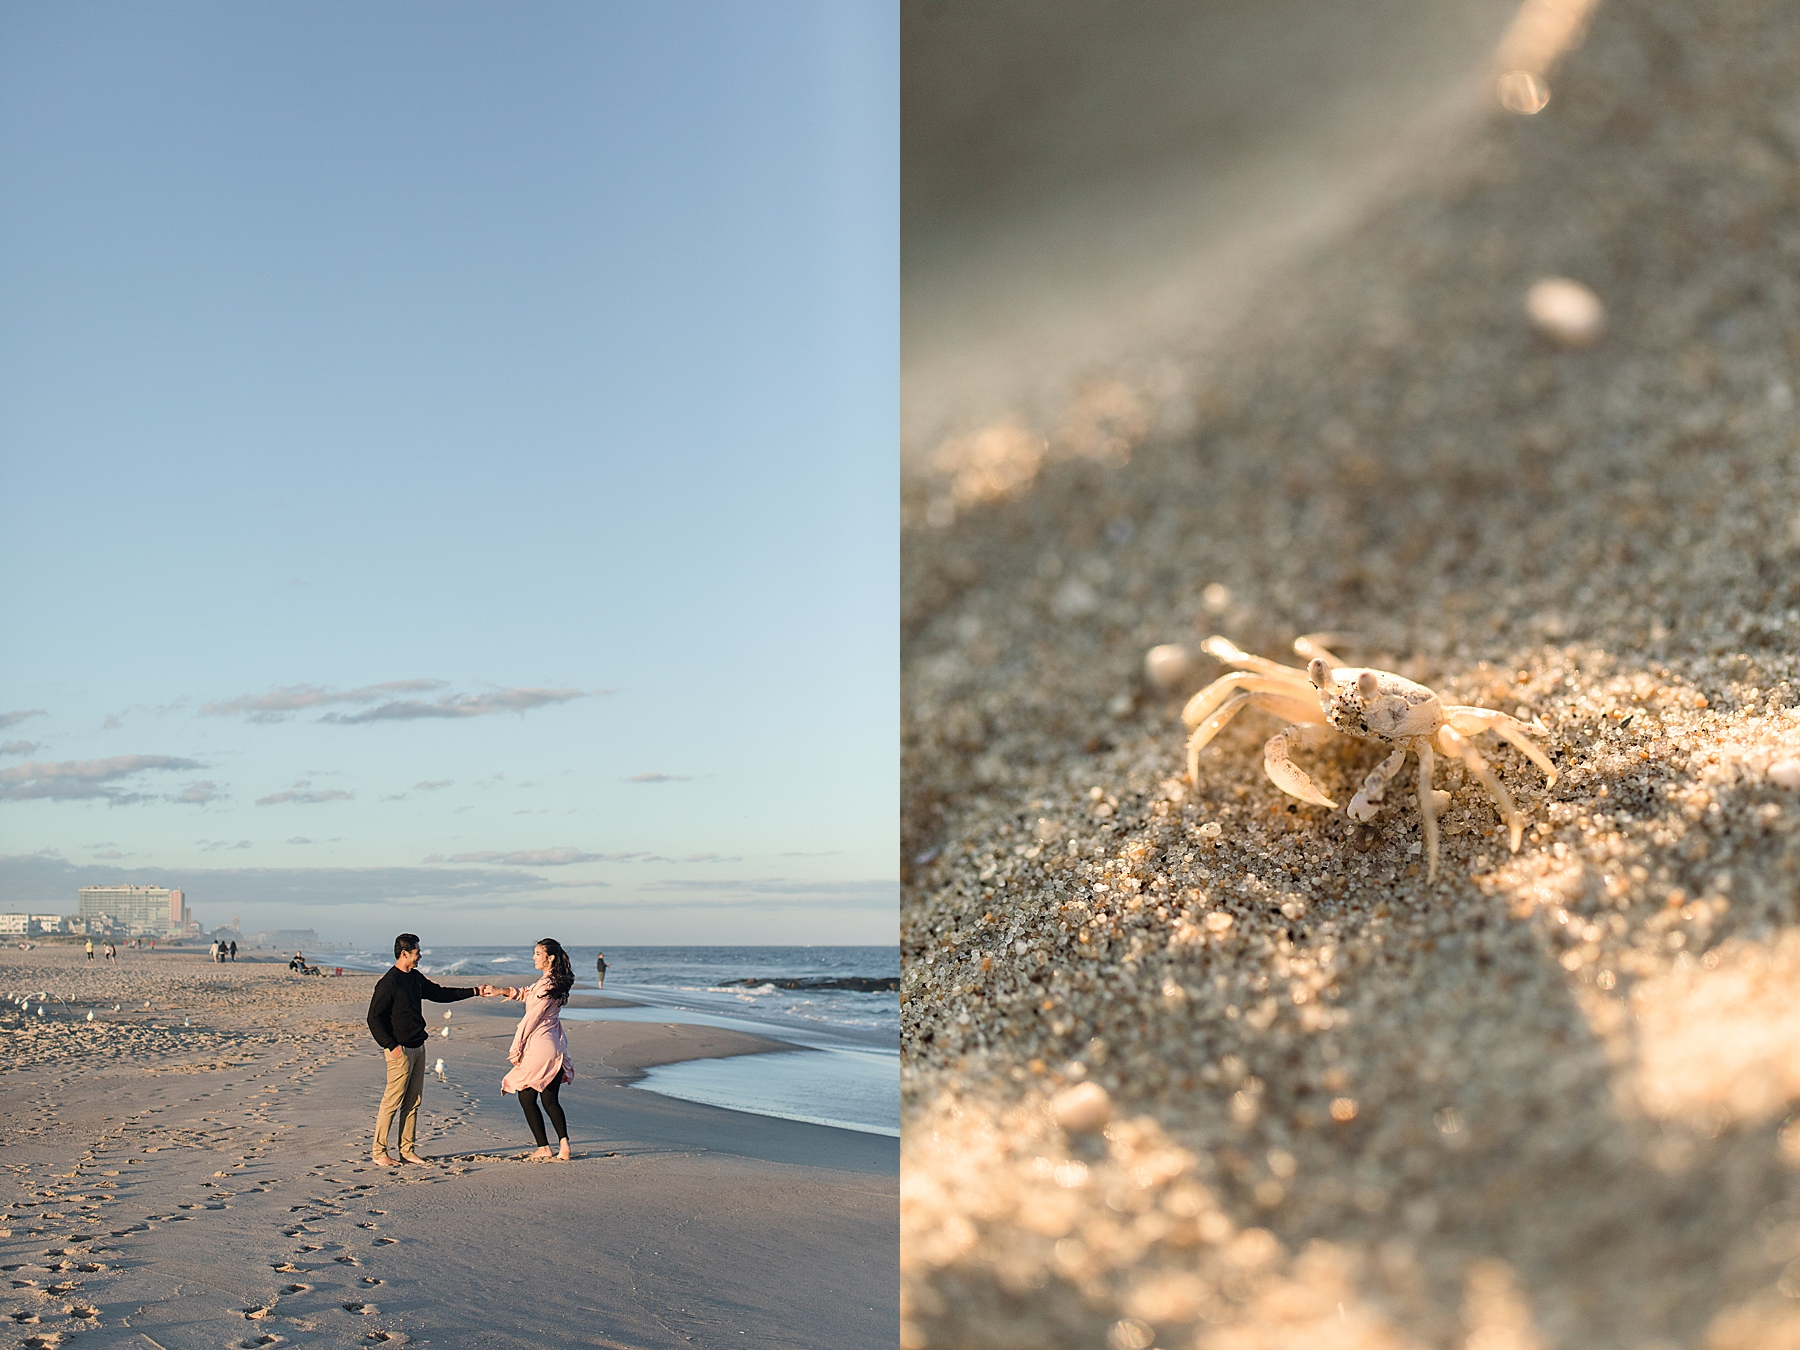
(1453, 742)
(1203, 704)
(1363, 805)
(1469, 721)
(1223, 649)
(1428, 807)
(1293, 709)
(1311, 647)
(1287, 775)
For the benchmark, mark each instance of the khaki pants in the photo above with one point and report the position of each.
(405, 1081)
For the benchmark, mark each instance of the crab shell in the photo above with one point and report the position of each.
(1374, 705)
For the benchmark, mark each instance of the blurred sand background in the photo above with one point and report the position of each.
(1545, 1101)
(196, 1174)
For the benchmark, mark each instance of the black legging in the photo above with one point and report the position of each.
(528, 1098)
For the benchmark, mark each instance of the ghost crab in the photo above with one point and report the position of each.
(1371, 705)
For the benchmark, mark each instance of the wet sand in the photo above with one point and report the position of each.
(1548, 1100)
(240, 1107)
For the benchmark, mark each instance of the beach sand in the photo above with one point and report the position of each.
(197, 1175)
(1544, 1102)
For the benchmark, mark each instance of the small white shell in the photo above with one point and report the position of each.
(1566, 312)
(1168, 667)
(1082, 1109)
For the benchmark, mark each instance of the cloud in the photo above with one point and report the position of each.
(84, 779)
(869, 894)
(299, 839)
(531, 857)
(275, 706)
(113, 722)
(659, 778)
(459, 705)
(31, 880)
(306, 798)
(198, 794)
(9, 719)
(562, 857)
(214, 845)
(110, 853)
(21, 747)
(434, 785)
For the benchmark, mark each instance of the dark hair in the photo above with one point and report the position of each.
(562, 972)
(406, 942)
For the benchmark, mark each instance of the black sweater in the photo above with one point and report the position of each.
(394, 1016)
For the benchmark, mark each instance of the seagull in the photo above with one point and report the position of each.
(446, 1033)
(440, 1067)
(90, 1015)
(446, 1014)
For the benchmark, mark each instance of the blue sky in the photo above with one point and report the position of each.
(448, 456)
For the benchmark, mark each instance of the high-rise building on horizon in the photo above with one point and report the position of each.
(140, 909)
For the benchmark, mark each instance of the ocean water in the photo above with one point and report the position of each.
(851, 1079)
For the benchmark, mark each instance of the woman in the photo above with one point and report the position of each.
(540, 1050)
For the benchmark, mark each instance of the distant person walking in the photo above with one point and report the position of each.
(398, 1026)
(600, 971)
(90, 949)
(540, 1049)
(234, 951)
(212, 952)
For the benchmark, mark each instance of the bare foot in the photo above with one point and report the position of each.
(542, 1155)
(563, 1153)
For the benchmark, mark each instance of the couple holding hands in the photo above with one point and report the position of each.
(539, 1054)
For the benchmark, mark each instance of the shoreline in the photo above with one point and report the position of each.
(240, 1104)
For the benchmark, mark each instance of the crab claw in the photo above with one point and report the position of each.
(1287, 775)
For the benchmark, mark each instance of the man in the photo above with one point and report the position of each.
(398, 1025)
(90, 949)
(600, 968)
(234, 951)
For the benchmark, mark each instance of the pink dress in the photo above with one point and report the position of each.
(540, 1051)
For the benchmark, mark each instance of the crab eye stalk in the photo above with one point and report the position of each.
(1318, 672)
(1367, 684)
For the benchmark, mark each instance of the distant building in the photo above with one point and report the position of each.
(139, 910)
(32, 925)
